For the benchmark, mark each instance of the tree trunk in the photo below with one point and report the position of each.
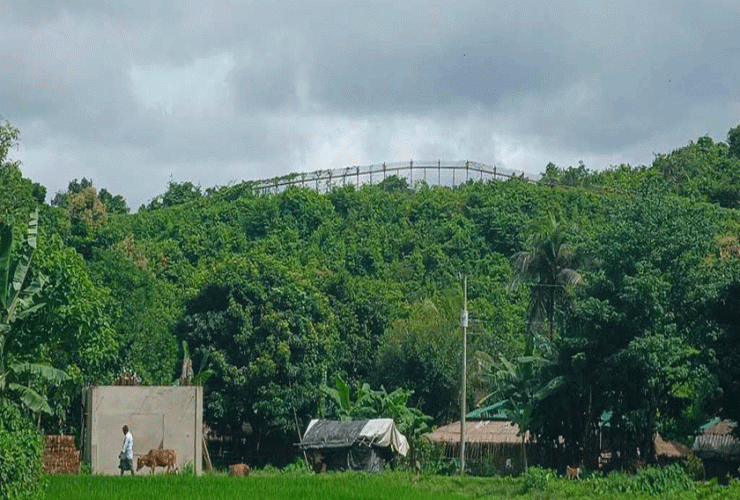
(524, 451)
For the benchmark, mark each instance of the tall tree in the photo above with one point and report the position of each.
(546, 266)
(733, 141)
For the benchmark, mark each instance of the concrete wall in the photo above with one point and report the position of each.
(171, 416)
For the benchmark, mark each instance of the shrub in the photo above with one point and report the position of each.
(649, 481)
(431, 457)
(298, 466)
(656, 480)
(536, 479)
(20, 455)
(693, 467)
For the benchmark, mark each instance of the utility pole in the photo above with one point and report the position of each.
(464, 324)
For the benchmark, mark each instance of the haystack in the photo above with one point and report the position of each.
(61, 455)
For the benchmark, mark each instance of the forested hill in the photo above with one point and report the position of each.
(628, 285)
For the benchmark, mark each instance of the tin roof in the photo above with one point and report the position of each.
(492, 412)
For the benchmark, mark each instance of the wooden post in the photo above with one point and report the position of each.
(206, 455)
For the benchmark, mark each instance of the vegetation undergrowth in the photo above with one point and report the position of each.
(20, 455)
(295, 484)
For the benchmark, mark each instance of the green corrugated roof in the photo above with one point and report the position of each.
(493, 412)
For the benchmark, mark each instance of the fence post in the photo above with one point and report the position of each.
(439, 172)
(411, 173)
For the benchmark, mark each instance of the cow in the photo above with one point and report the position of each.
(572, 472)
(158, 457)
(239, 470)
(319, 465)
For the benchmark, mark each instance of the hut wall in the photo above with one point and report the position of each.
(489, 458)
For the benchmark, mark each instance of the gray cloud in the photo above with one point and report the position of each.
(135, 93)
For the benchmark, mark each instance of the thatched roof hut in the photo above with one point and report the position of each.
(668, 451)
(489, 444)
(718, 448)
(718, 442)
(479, 432)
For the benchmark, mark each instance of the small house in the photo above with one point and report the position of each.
(668, 452)
(718, 448)
(491, 441)
(353, 445)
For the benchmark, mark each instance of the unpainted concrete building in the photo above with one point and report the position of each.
(170, 417)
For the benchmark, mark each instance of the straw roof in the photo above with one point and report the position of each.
(482, 431)
(719, 427)
(672, 449)
(717, 441)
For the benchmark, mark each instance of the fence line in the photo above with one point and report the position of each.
(447, 174)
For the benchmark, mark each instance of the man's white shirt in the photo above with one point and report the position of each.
(128, 446)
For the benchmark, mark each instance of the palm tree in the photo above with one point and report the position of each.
(545, 264)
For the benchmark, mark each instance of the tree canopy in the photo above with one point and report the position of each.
(278, 293)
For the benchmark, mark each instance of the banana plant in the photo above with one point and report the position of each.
(17, 301)
(339, 394)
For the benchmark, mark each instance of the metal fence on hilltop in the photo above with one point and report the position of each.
(439, 173)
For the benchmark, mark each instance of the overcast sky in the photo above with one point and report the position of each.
(136, 93)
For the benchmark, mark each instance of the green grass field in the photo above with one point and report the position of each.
(345, 486)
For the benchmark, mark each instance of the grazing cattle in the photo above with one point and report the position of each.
(319, 465)
(157, 457)
(572, 472)
(239, 470)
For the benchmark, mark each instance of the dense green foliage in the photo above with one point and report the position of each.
(20, 455)
(623, 320)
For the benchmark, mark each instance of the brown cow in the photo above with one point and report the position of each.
(572, 472)
(239, 470)
(158, 457)
(319, 465)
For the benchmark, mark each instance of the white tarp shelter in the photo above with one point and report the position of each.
(355, 444)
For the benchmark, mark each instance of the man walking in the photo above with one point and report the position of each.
(127, 452)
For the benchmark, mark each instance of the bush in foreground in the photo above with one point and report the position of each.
(21, 450)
